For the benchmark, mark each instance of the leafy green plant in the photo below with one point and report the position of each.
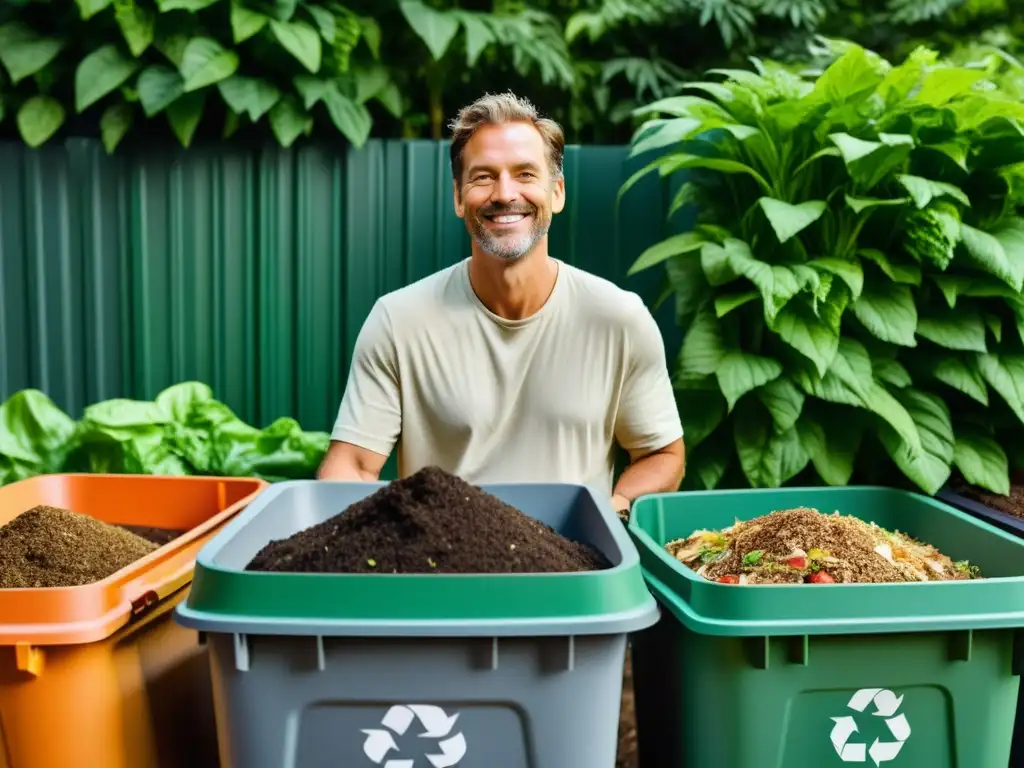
(184, 431)
(852, 284)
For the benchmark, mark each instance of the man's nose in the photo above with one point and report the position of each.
(505, 189)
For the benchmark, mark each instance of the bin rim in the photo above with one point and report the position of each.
(229, 600)
(710, 608)
(97, 610)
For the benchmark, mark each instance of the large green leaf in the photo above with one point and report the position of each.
(923, 191)
(184, 5)
(39, 118)
(710, 462)
(831, 444)
(982, 461)
(810, 335)
(300, 40)
(727, 302)
(888, 311)
(856, 73)
(890, 371)
(928, 468)
(989, 254)
(184, 115)
(89, 8)
(783, 400)
(1005, 374)
(205, 62)
(868, 162)
(702, 411)
(436, 28)
(116, 121)
(159, 87)
(716, 261)
(23, 52)
(289, 121)
(99, 73)
(955, 286)
(34, 433)
(741, 372)
(352, 119)
(252, 96)
(789, 220)
(768, 458)
(658, 134)
(850, 272)
(138, 24)
(703, 348)
(245, 22)
(960, 330)
(675, 245)
(686, 279)
(961, 372)
(903, 273)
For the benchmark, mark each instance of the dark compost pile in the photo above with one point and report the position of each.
(429, 522)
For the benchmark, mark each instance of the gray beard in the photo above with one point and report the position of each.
(508, 247)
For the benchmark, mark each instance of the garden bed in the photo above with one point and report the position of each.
(1005, 512)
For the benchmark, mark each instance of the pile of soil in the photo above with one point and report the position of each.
(52, 547)
(158, 536)
(429, 522)
(1012, 505)
(799, 545)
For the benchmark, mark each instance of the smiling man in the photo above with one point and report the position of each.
(511, 365)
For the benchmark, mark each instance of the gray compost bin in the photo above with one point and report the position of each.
(418, 670)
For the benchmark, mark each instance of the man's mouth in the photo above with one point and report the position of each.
(506, 218)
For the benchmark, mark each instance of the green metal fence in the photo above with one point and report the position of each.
(251, 270)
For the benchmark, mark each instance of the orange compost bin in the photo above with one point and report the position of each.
(99, 675)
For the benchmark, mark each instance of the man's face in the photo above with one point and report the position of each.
(507, 194)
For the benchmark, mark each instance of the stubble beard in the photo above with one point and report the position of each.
(507, 247)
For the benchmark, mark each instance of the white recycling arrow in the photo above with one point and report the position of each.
(378, 743)
(435, 720)
(452, 750)
(886, 705)
(436, 725)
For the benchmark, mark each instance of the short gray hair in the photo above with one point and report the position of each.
(500, 109)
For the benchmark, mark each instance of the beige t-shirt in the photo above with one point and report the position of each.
(492, 400)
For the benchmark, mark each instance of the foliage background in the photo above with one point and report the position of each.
(195, 69)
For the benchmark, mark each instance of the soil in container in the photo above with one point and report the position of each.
(803, 545)
(429, 522)
(1012, 505)
(53, 547)
(158, 536)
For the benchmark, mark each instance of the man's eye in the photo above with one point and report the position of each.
(526, 175)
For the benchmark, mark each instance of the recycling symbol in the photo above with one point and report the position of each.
(886, 705)
(380, 742)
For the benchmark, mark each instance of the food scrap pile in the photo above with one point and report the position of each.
(52, 547)
(429, 522)
(803, 545)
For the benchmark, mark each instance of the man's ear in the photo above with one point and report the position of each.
(460, 209)
(558, 196)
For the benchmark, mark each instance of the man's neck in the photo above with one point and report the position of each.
(513, 290)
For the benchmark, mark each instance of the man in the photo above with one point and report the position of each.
(510, 366)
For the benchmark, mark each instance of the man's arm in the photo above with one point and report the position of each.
(345, 461)
(648, 423)
(370, 415)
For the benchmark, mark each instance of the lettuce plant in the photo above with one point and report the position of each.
(183, 431)
(851, 286)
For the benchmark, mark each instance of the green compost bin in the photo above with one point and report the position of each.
(922, 675)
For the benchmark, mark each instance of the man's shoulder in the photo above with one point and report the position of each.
(426, 293)
(598, 298)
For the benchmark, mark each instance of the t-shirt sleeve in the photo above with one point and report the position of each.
(370, 414)
(648, 417)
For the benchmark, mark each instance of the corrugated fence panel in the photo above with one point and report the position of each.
(252, 270)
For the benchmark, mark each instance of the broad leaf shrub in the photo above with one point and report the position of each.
(851, 286)
(184, 431)
(111, 66)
